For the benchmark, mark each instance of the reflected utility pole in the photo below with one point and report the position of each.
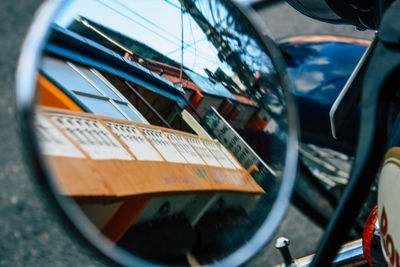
(224, 50)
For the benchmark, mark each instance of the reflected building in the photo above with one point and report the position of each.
(149, 149)
(79, 75)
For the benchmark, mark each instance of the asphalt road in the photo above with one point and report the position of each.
(31, 228)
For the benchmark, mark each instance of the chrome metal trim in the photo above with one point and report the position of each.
(349, 253)
(345, 89)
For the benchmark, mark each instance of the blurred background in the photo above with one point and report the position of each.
(21, 241)
(284, 21)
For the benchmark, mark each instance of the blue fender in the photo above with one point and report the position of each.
(319, 67)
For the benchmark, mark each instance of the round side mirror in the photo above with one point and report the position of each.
(165, 129)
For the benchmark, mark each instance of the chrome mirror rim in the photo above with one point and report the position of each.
(25, 100)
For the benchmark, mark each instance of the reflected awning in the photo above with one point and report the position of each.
(65, 43)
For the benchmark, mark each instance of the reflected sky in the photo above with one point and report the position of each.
(165, 27)
(319, 70)
(156, 23)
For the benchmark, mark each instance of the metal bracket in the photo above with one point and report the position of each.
(377, 88)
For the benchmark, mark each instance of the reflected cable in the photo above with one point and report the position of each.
(181, 70)
(188, 45)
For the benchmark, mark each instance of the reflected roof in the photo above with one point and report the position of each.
(216, 89)
(74, 47)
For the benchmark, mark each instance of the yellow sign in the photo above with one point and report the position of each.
(102, 158)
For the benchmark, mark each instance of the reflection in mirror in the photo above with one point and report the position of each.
(166, 123)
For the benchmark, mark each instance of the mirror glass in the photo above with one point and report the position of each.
(168, 124)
